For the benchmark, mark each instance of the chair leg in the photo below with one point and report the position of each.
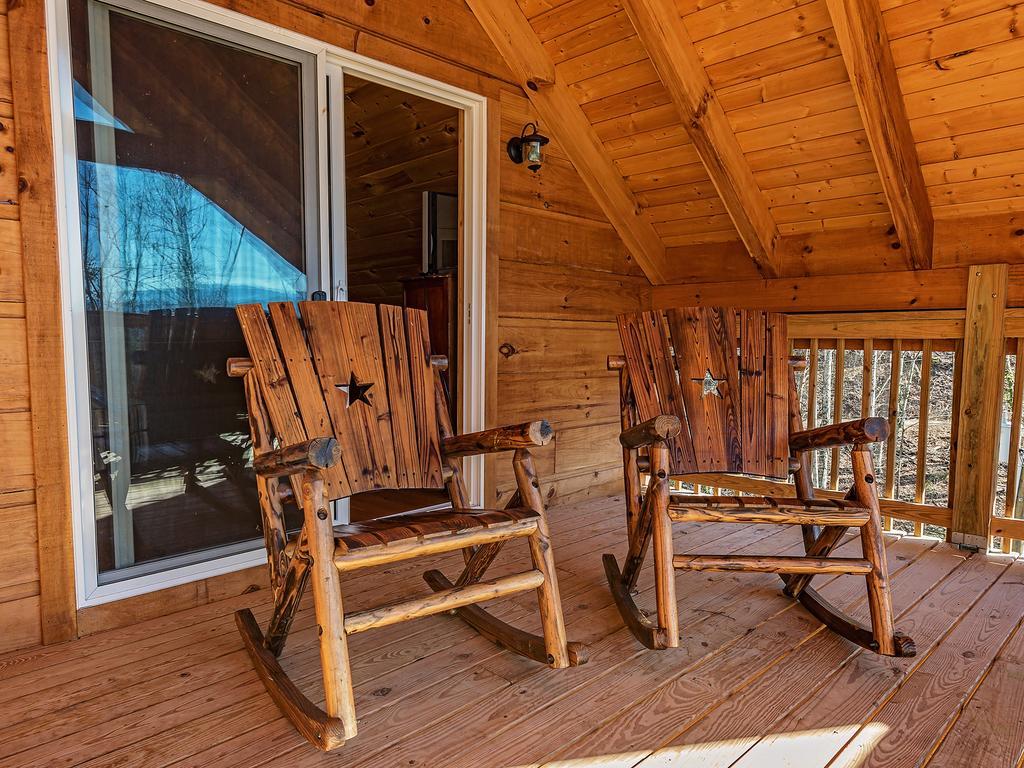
(327, 603)
(879, 598)
(540, 548)
(664, 572)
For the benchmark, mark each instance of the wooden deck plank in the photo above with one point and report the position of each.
(723, 733)
(836, 712)
(56, 666)
(990, 731)
(766, 657)
(754, 668)
(917, 717)
(590, 617)
(549, 707)
(380, 677)
(577, 607)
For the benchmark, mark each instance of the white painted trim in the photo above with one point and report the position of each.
(473, 269)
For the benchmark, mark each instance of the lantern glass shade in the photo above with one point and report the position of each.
(532, 151)
(527, 147)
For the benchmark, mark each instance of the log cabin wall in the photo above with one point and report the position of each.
(19, 565)
(563, 270)
(821, 201)
(563, 275)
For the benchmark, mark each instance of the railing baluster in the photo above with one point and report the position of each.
(837, 408)
(895, 370)
(812, 400)
(867, 392)
(922, 428)
(954, 427)
(1013, 457)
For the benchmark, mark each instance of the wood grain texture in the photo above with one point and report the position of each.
(862, 36)
(665, 37)
(981, 390)
(769, 668)
(511, 34)
(29, 77)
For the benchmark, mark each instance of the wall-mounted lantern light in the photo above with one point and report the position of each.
(527, 146)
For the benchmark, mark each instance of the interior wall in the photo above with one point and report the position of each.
(397, 146)
(19, 565)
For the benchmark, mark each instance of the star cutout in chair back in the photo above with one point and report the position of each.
(356, 392)
(709, 384)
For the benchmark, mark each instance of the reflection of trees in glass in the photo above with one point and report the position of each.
(172, 248)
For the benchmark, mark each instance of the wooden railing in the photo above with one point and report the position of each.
(922, 351)
(884, 364)
(1008, 517)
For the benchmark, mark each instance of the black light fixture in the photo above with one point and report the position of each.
(527, 146)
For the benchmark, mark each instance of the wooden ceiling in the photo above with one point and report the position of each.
(745, 138)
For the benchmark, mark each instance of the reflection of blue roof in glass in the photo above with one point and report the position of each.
(153, 241)
(91, 111)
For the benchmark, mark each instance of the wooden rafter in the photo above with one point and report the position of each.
(563, 117)
(860, 31)
(661, 30)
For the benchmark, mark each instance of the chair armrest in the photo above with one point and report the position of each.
(656, 430)
(859, 432)
(310, 456)
(526, 435)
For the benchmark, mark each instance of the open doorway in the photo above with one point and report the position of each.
(402, 227)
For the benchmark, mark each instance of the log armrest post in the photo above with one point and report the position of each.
(511, 438)
(859, 432)
(311, 456)
(656, 430)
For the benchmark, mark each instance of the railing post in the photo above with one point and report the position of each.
(980, 405)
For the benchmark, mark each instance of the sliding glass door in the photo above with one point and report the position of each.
(196, 164)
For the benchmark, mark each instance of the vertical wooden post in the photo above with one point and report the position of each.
(664, 571)
(980, 408)
(30, 86)
(330, 613)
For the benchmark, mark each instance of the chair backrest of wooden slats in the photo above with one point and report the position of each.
(357, 372)
(724, 373)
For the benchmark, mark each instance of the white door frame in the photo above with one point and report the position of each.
(472, 270)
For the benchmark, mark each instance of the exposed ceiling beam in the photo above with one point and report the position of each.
(663, 34)
(864, 44)
(562, 116)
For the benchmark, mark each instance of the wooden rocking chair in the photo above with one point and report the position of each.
(709, 390)
(347, 399)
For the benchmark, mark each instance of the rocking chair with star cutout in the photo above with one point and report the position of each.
(345, 398)
(709, 390)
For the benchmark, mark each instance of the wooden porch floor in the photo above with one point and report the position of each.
(757, 682)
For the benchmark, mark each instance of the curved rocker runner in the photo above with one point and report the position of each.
(356, 403)
(712, 390)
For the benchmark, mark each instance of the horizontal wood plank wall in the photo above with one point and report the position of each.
(19, 566)
(923, 289)
(563, 274)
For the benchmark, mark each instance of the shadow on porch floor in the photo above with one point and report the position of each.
(756, 682)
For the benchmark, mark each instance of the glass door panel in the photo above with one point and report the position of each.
(197, 192)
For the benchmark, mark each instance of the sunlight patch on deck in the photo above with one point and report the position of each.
(798, 749)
